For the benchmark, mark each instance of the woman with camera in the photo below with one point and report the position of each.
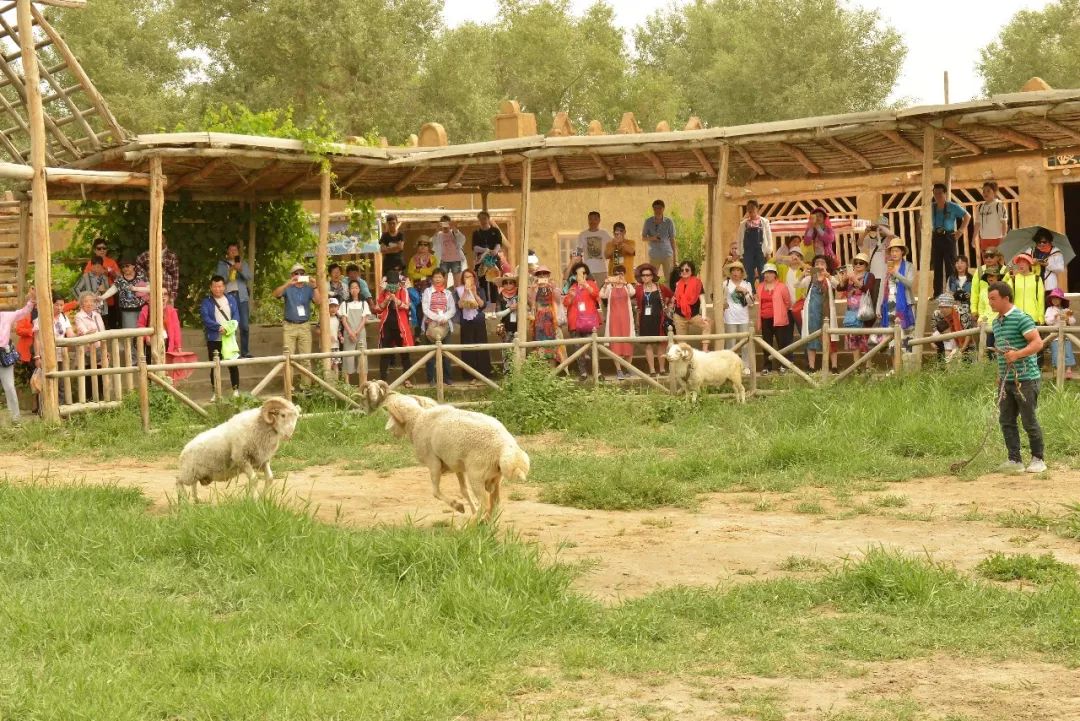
(392, 307)
(820, 286)
(439, 310)
(857, 282)
(739, 296)
(582, 301)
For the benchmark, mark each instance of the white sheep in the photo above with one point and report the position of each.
(474, 446)
(244, 443)
(691, 369)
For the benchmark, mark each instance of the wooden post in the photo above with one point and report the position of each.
(321, 282)
(717, 246)
(440, 380)
(484, 200)
(982, 342)
(286, 374)
(217, 375)
(595, 361)
(709, 267)
(1059, 361)
(523, 259)
(252, 228)
(94, 378)
(80, 364)
(898, 347)
(362, 364)
(23, 250)
(114, 384)
(39, 225)
(753, 360)
(144, 393)
(157, 302)
(68, 396)
(922, 309)
(826, 350)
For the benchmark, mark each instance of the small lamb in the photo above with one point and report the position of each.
(474, 446)
(245, 442)
(691, 369)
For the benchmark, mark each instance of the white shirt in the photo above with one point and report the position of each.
(1055, 263)
(876, 249)
(591, 244)
(735, 314)
(993, 219)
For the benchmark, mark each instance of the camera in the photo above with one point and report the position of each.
(303, 279)
(962, 296)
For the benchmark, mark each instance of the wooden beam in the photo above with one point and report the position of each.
(603, 166)
(455, 179)
(157, 281)
(296, 183)
(504, 177)
(553, 166)
(904, 144)
(757, 167)
(657, 165)
(800, 156)
(39, 229)
(196, 175)
(523, 258)
(705, 164)
(954, 138)
(321, 254)
(1060, 128)
(851, 153)
(23, 248)
(716, 233)
(409, 178)
(922, 308)
(254, 178)
(1014, 136)
(353, 177)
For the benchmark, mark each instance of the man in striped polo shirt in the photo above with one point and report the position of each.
(1018, 344)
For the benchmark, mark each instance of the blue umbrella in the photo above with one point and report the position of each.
(1022, 240)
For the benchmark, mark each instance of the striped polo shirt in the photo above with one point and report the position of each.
(1009, 330)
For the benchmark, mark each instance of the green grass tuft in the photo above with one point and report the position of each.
(1023, 566)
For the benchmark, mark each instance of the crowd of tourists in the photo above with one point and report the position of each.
(782, 287)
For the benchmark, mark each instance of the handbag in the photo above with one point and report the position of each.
(867, 312)
(9, 356)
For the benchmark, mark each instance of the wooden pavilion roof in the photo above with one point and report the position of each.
(236, 167)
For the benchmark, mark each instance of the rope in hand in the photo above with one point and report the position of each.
(1001, 347)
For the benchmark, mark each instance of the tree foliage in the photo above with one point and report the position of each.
(1044, 43)
(746, 61)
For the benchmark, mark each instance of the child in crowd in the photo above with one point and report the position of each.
(334, 321)
(1059, 313)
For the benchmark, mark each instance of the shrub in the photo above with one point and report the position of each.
(1024, 566)
(532, 400)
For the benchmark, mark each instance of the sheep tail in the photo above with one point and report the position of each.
(514, 463)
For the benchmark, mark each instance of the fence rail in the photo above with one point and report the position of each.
(107, 365)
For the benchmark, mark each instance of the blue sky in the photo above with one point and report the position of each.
(940, 35)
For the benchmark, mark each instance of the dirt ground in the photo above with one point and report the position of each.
(730, 538)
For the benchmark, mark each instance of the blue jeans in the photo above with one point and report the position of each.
(244, 321)
(454, 267)
(1070, 356)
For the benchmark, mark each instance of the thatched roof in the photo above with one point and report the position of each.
(222, 166)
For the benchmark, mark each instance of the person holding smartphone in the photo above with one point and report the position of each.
(299, 293)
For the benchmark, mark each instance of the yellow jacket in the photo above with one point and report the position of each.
(1029, 295)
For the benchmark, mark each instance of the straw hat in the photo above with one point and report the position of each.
(897, 242)
(733, 265)
(769, 268)
(508, 278)
(423, 240)
(861, 258)
(542, 269)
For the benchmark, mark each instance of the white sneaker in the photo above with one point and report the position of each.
(236, 393)
(1011, 467)
(1037, 465)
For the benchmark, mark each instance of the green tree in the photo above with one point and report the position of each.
(744, 61)
(537, 52)
(1043, 42)
(358, 59)
(132, 53)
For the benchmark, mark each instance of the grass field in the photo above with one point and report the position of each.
(248, 610)
(616, 449)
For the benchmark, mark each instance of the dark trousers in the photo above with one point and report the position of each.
(776, 336)
(212, 347)
(1020, 400)
(243, 319)
(385, 361)
(942, 259)
(430, 368)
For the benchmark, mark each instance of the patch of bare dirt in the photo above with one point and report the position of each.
(944, 686)
(634, 552)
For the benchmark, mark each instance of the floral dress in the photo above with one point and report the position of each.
(546, 320)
